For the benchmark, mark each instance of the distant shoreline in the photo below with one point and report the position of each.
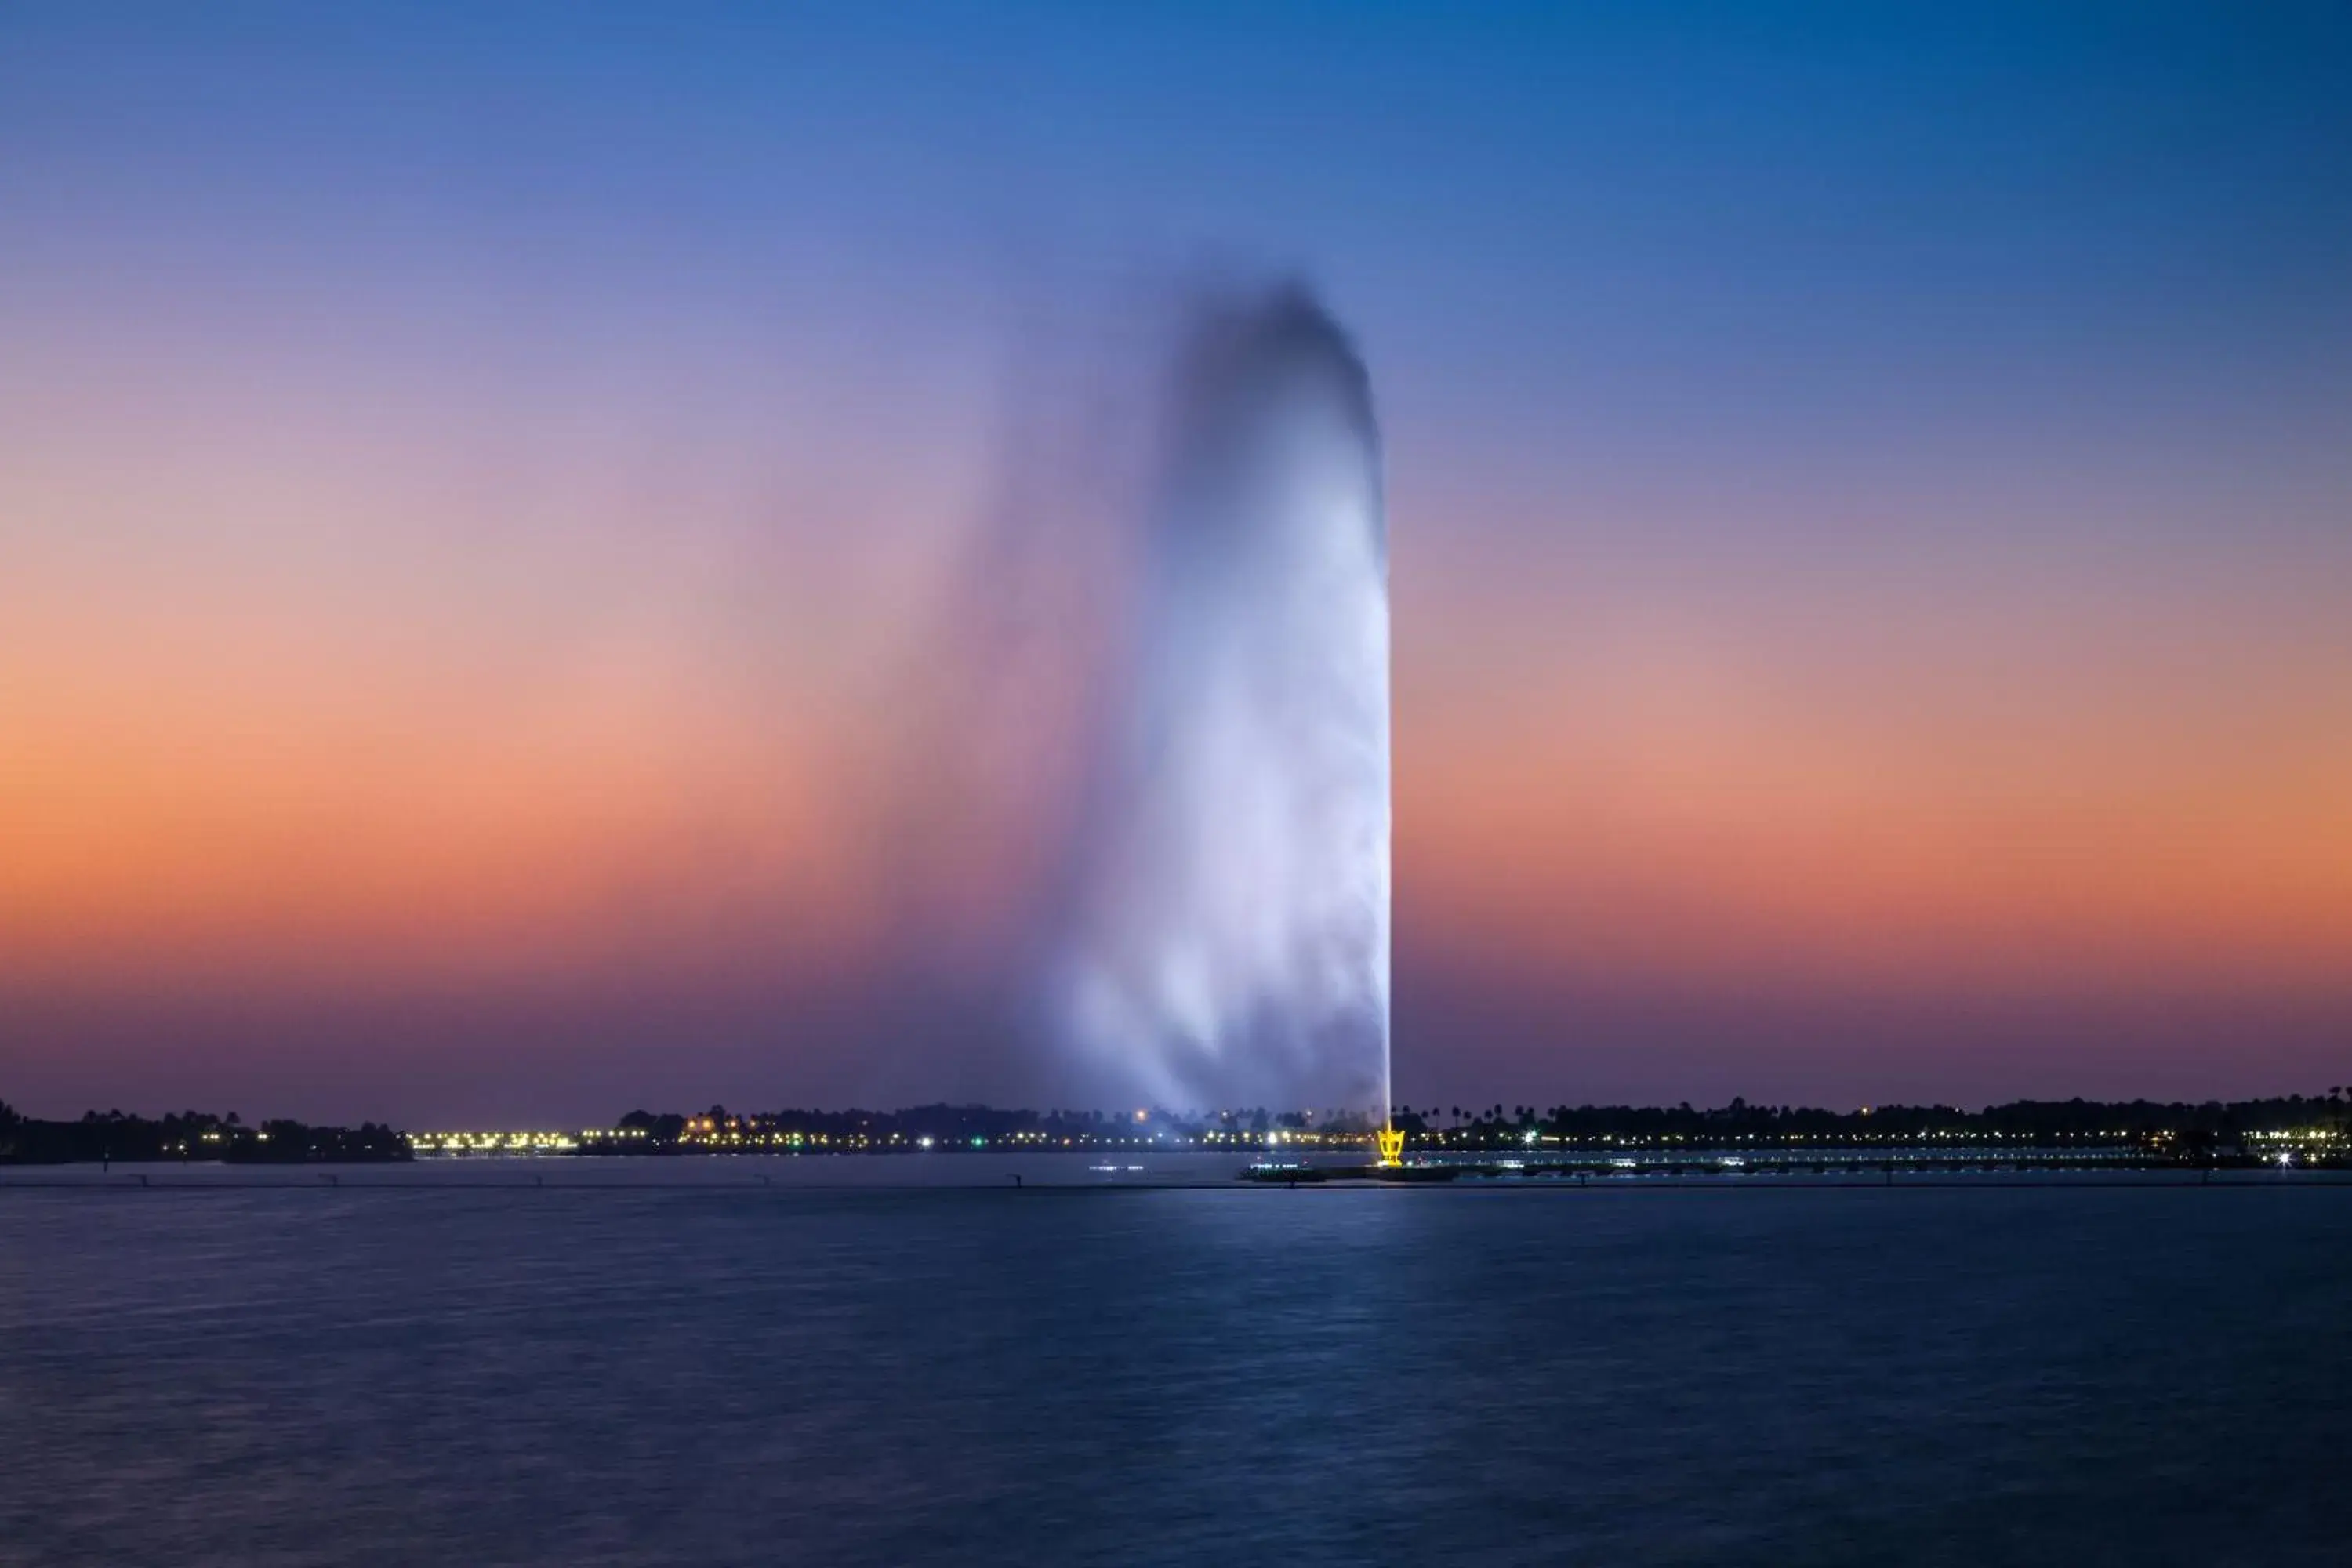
(1585, 1141)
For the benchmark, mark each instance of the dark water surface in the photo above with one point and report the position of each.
(664, 1374)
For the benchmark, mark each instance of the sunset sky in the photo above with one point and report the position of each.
(1871, 493)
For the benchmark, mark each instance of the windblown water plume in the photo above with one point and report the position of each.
(1223, 934)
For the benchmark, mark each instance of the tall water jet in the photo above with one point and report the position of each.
(1226, 939)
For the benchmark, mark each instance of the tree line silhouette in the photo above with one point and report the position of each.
(2022, 1119)
(189, 1135)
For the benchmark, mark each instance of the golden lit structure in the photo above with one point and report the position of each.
(1392, 1144)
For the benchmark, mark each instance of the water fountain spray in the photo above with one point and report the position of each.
(1228, 938)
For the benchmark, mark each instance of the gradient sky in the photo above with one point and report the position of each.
(1870, 488)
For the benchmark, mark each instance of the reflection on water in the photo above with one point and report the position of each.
(497, 1373)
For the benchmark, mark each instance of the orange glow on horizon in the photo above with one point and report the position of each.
(277, 728)
(254, 811)
(1717, 803)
